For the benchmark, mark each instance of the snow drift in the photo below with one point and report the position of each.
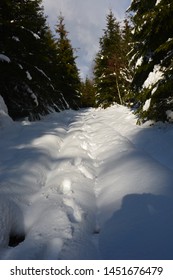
(87, 185)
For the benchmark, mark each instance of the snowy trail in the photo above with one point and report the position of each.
(86, 185)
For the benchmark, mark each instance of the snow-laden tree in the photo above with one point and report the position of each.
(152, 56)
(68, 80)
(110, 69)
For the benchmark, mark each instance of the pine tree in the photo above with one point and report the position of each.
(68, 80)
(110, 71)
(153, 57)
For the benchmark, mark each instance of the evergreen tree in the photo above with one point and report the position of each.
(153, 57)
(107, 64)
(26, 81)
(111, 64)
(68, 81)
(127, 71)
(88, 93)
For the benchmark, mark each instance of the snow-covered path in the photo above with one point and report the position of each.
(87, 185)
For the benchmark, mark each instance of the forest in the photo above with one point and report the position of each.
(86, 164)
(133, 67)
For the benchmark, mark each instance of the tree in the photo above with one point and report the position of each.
(107, 64)
(153, 58)
(111, 65)
(88, 93)
(68, 80)
(28, 85)
(127, 70)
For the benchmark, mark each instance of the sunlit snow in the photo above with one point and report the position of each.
(147, 104)
(157, 2)
(153, 77)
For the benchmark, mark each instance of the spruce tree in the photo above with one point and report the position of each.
(127, 70)
(68, 80)
(152, 57)
(110, 71)
(26, 80)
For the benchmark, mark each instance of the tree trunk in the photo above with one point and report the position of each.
(118, 89)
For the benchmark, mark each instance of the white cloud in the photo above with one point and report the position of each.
(85, 21)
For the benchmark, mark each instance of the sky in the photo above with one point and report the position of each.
(85, 21)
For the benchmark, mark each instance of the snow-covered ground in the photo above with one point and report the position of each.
(86, 184)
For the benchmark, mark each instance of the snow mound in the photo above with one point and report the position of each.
(5, 120)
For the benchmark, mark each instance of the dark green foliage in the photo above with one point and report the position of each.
(22, 31)
(153, 45)
(88, 93)
(127, 70)
(111, 64)
(31, 79)
(68, 81)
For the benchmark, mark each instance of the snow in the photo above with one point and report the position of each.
(153, 77)
(16, 39)
(158, 1)
(43, 73)
(20, 66)
(35, 35)
(169, 114)
(139, 62)
(147, 104)
(34, 97)
(28, 75)
(5, 120)
(5, 58)
(87, 184)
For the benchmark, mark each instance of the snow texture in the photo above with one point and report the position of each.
(153, 77)
(34, 97)
(147, 104)
(87, 184)
(5, 120)
(28, 75)
(5, 58)
(158, 1)
(169, 114)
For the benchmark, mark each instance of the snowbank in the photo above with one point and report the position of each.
(5, 120)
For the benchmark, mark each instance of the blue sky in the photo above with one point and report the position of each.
(85, 21)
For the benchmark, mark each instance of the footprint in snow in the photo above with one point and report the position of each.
(73, 211)
(66, 186)
(84, 146)
(81, 168)
(77, 161)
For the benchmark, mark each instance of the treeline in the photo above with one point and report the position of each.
(112, 75)
(134, 64)
(38, 72)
